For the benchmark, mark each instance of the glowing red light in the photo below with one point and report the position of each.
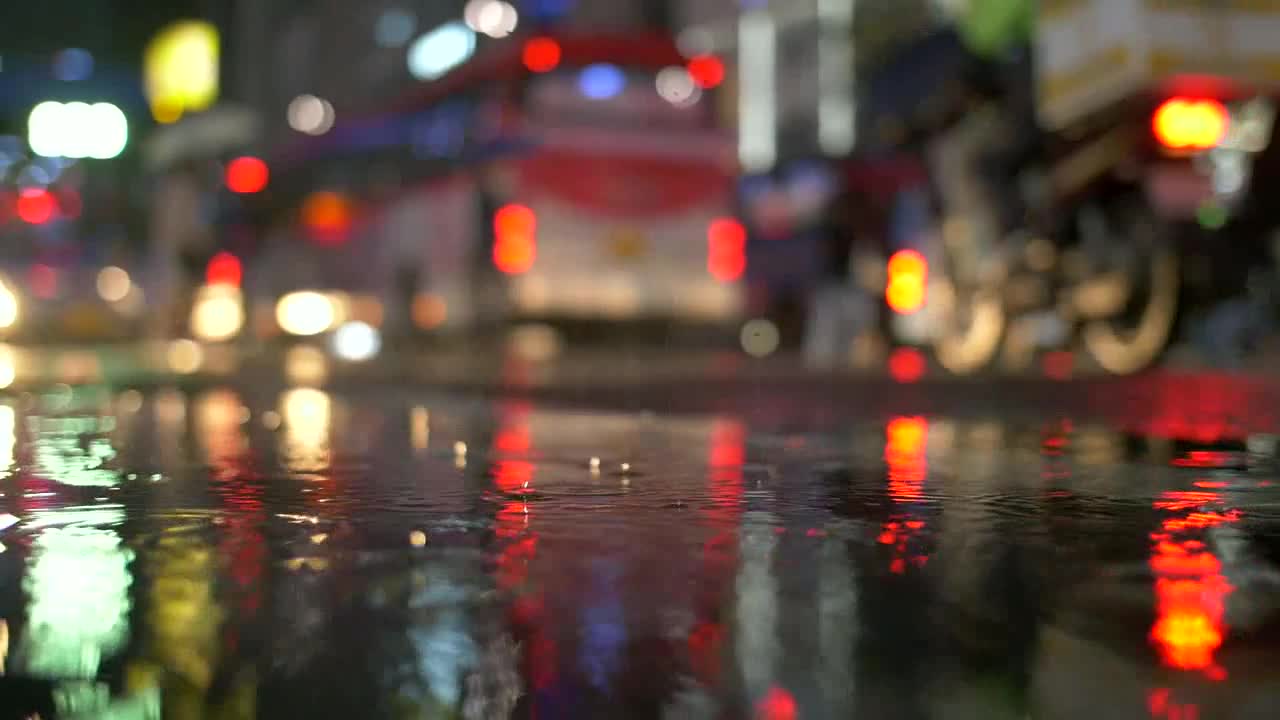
(36, 206)
(706, 70)
(541, 54)
(247, 175)
(515, 244)
(1189, 124)
(224, 269)
(777, 704)
(726, 249)
(908, 271)
(906, 365)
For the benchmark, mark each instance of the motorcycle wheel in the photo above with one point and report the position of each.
(972, 326)
(1135, 336)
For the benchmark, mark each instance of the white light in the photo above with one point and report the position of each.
(677, 86)
(217, 314)
(441, 50)
(305, 313)
(311, 115)
(757, 112)
(356, 341)
(77, 130)
(185, 356)
(494, 18)
(8, 373)
(113, 284)
(8, 307)
(759, 337)
(837, 122)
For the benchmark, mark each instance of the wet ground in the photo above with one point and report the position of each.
(750, 551)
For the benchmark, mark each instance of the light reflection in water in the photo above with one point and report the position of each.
(904, 454)
(8, 438)
(77, 585)
(74, 450)
(1190, 589)
(307, 415)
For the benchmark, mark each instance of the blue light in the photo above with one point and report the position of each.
(73, 64)
(601, 81)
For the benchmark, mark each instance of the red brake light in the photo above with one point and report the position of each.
(515, 231)
(726, 249)
(908, 272)
(224, 269)
(1182, 123)
(541, 54)
(247, 175)
(36, 206)
(706, 70)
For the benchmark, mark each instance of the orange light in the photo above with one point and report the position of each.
(726, 249)
(541, 54)
(36, 206)
(327, 215)
(247, 175)
(1187, 124)
(706, 70)
(224, 269)
(907, 274)
(515, 243)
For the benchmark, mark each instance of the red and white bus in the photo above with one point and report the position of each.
(553, 177)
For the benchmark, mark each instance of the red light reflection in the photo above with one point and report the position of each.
(904, 454)
(1190, 588)
(726, 455)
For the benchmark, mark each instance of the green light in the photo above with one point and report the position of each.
(77, 585)
(63, 456)
(1211, 216)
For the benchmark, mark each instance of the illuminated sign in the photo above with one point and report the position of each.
(181, 66)
(77, 130)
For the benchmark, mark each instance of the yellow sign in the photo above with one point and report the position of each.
(181, 66)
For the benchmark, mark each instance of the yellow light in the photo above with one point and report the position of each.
(218, 313)
(181, 66)
(8, 307)
(113, 284)
(185, 356)
(305, 313)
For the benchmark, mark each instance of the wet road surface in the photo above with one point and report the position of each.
(1105, 549)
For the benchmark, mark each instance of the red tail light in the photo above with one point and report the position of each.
(1182, 123)
(908, 272)
(726, 249)
(515, 239)
(224, 269)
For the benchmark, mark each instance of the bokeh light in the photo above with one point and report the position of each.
(113, 284)
(73, 64)
(441, 50)
(394, 27)
(217, 313)
(541, 54)
(356, 341)
(515, 239)
(36, 206)
(305, 313)
(707, 71)
(905, 289)
(726, 249)
(247, 175)
(677, 87)
(77, 130)
(327, 215)
(184, 356)
(494, 18)
(224, 269)
(601, 81)
(760, 337)
(311, 115)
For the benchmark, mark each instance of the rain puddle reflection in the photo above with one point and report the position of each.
(312, 554)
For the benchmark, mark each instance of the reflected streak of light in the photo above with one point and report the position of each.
(4, 643)
(420, 428)
(8, 366)
(1190, 588)
(307, 414)
(905, 455)
(77, 583)
(726, 456)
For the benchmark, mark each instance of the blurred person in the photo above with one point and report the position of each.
(181, 245)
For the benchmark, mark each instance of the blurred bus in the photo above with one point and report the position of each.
(559, 178)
